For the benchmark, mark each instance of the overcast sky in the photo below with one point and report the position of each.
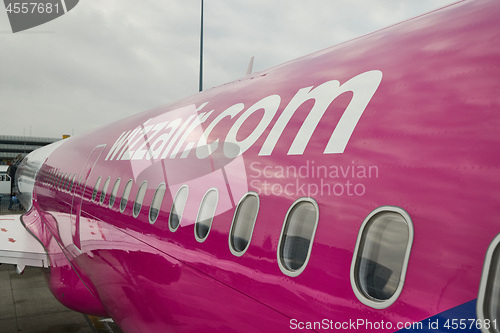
(106, 60)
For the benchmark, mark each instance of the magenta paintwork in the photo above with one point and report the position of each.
(431, 131)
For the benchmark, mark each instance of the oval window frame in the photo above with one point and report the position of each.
(104, 190)
(125, 195)
(197, 222)
(153, 202)
(71, 186)
(58, 179)
(173, 205)
(140, 195)
(63, 182)
(369, 301)
(96, 189)
(243, 198)
(483, 284)
(114, 189)
(285, 270)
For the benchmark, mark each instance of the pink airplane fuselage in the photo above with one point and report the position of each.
(407, 117)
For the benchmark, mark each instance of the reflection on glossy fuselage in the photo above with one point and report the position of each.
(429, 127)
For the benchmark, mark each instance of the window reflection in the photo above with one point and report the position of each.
(243, 223)
(63, 183)
(140, 198)
(206, 214)
(178, 208)
(156, 204)
(297, 236)
(96, 188)
(492, 295)
(126, 193)
(114, 192)
(70, 186)
(104, 190)
(381, 256)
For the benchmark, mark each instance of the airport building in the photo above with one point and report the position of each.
(12, 146)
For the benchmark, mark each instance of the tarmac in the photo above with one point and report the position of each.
(27, 306)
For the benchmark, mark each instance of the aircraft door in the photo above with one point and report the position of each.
(76, 206)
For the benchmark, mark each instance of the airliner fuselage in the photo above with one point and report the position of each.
(356, 188)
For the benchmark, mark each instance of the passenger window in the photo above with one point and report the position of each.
(114, 192)
(63, 181)
(72, 183)
(381, 256)
(140, 198)
(126, 193)
(206, 214)
(104, 190)
(156, 204)
(488, 300)
(297, 236)
(244, 219)
(178, 208)
(66, 183)
(58, 179)
(96, 188)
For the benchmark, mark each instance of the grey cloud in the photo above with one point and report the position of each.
(107, 60)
